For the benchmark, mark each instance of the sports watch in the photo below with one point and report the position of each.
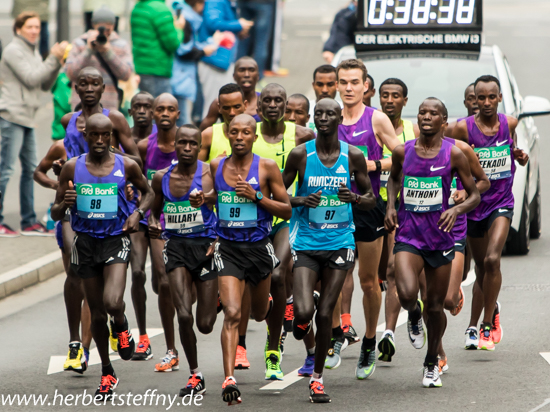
(259, 196)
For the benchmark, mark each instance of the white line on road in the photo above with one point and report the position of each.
(289, 379)
(542, 405)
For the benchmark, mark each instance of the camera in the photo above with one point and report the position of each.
(101, 38)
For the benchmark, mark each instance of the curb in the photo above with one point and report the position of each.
(30, 274)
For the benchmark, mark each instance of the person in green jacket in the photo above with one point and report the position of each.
(61, 91)
(155, 36)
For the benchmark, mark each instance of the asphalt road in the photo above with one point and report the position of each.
(516, 377)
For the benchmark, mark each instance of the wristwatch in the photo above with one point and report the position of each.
(378, 165)
(141, 212)
(259, 196)
(357, 199)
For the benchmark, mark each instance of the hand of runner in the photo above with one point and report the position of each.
(196, 198)
(57, 165)
(460, 196)
(70, 195)
(244, 189)
(155, 229)
(390, 221)
(521, 157)
(477, 154)
(132, 223)
(345, 195)
(313, 200)
(211, 248)
(371, 166)
(447, 220)
(130, 194)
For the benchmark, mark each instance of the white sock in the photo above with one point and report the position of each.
(390, 332)
(290, 299)
(316, 377)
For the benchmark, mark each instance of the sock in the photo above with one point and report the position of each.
(337, 332)
(316, 377)
(368, 343)
(195, 372)
(143, 337)
(242, 341)
(290, 300)
(346, 319)
(390, 332)
(416, 314)
(107, 369)
(231, 377)
(311, 352)
(430, 360)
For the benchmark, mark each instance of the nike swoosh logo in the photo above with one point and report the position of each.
(280, 153)
(446, 253)
(378, 229)
(501, 143)
(355, 134)
(433, 169)
(502, 210)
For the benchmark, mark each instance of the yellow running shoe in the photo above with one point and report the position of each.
(75, 358)
(113, 337)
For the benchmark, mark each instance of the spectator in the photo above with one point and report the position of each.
(341, 32)
(89, 6)
(217, 70)
(112, 58)
(61, 91)
(42, 8)
(155, 37)
(262, 12)
(189, 52)
(24, 75)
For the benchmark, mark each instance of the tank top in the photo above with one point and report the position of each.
(361, 134)
(74, 141)
(330, 225)
(408, 134)
(461, 225)
(101, 207)
(220, 143)
(497, 160)
(240, 219)
(426, 185)
(180, 218)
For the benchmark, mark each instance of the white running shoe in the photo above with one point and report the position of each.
(472, 339)
(431, 377)
(417, 335)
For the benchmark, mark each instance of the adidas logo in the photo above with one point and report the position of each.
(118, 173)
(253, 181)
(339, 261)
(341, 169)
(204, 271)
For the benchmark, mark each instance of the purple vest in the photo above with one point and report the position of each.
(74, 142)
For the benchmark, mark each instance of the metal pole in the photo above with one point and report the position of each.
(62, 20)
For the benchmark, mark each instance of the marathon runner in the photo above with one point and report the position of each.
(470, 103)
(322, 227)
(297, 110)
(246, 75)
(141, 110)
(369, 130)
(93, 186)
(422, 171)
(370, 92)
(493, 137)
(324, 85)
(244, 254)
(189, 224)
(157, 152)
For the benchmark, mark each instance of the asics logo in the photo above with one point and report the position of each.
(433, 169)
(355, 134)
(324, 226)
(447, 252)
(500, 143)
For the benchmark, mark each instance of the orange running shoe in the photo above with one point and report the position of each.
(458, 308)
(231, 393)
(486, 338)
(171, 362)
(241, 362)
(496, 330)
(317, 393)
(443, 367)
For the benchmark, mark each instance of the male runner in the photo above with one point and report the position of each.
(324, 85)
(370, 130)
(250, 192)
(322, 227)
(493, 136)
(189, 224)
(93, 187)
(297, 110)
(157, 152)
(141, 110)
(470, 103)
(246, 75)
(422, 171)
(370, 92)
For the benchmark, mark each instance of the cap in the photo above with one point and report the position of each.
(103, 15)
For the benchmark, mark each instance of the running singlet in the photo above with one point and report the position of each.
(240, 219)
(496, 157)
(361, 134)
(330, 225)
(426, 185)
(461, 224)
(408, 134)
(180, 218)
(220, 143)
(101, 207)
(74, 141)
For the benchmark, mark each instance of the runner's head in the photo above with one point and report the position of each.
(242, 134)
(328, 115)
(470, 101)
(352, 81)
(89, 86)
(246, 73)
(371, 91)
(393, 97)
(141, 109)
(97, 133)
(166, 111)
(488, 95)
(231, 102)
(432, 116)
(297, 109)
(272, 103)
(324, 82)
(188, 144)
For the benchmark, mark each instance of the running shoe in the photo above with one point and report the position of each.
(443, 366)
(472, 340)
(417, 336)
(282, 343)
(350, 334)
(106, 387)
(307, 369)
(300, 331)
(337, 346)
(113, 339)
(496, 330)
(86, 359)
(317, 393)
(366, 364)
(273, 370)
(460, 304)
(486, 338)
(383, 285)
(431, 376)
(241, 362)
(126, 344)
(170, 362)
(289, 317)
(386, 347)
(144, 351)
(195, 386)
(6, 231)
(76, 360)
(38, 229)
(230, 392)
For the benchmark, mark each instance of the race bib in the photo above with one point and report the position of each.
(182, 218)
(495, 161)
(98, 201)
(384, 176)
(423, 194)
(236, 211)
(453, 190)
(150, 174)
(330, 214)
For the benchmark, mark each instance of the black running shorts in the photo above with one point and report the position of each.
(478, 228)
(433, 258)
(369, 225)
(460, 246)
(317, 260)
(190, 253)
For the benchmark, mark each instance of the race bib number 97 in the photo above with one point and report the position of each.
(330, 214)
(423, 194)
(495, 161)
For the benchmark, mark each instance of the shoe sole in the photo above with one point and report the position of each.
(9, 236)
(232, 402)
(38, 234)
(134, 358)
(317, 401)
(431, 385)
(71, 369)
(172, 369)
(387, 350)
(273, 378)
(201, 392)
(306, 374)
(486, 348)
(241, 367)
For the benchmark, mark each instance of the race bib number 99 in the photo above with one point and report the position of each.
(182, 218)
(423, 194)
(495, 161)
(98, 201)
(330, 214)
(236, 211)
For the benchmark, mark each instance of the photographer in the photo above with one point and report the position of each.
(103, 49)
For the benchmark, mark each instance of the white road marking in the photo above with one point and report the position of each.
(289, 379)
(546, 356)
(542, 405)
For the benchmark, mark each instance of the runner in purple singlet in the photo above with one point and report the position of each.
(141, 110)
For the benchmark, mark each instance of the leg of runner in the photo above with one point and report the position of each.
(338, 341)
(472, 335)
(241, 361)
(392, 307)
(345, 309)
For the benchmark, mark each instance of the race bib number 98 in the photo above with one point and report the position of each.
(182, 218)
(98, 201)
(330, 214)
(423, 194)
(495, 161)
(236, 211)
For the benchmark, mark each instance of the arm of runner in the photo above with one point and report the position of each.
(482, 181)
(155, 228)
(358, 168)
(394, 186)
(384, 131)
(65, 196)
(123, 134)
(206, 144)
(55, 152)
(211, 116)
(209, 195)
(297, 157)
(135, 176)
(519, 155)
(303, 134)
(460, 131)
